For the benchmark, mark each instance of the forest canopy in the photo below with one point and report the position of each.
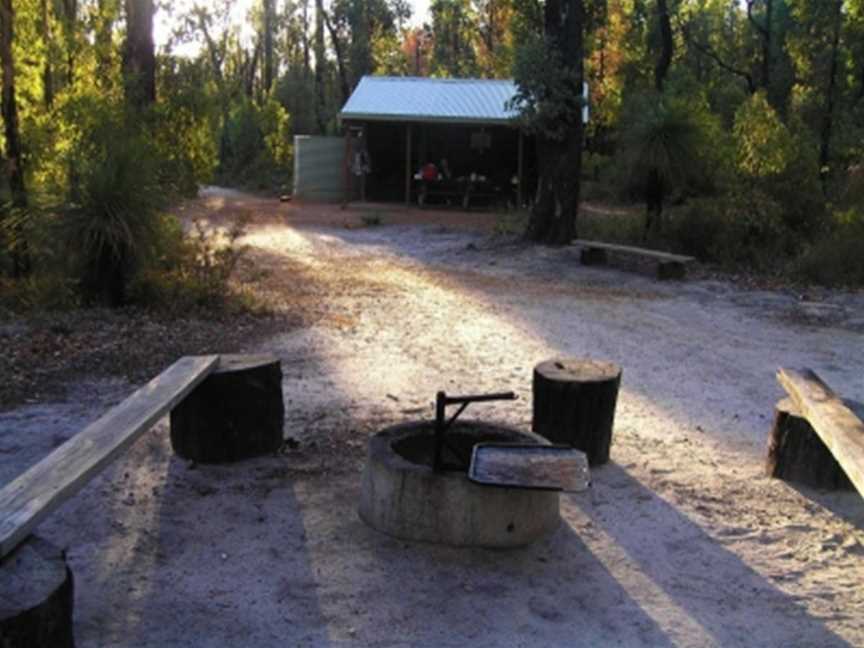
(738, 124)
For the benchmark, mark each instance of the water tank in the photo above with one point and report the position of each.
(318, 172)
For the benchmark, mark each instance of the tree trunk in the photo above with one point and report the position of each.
(36, 597)
(139, 57)
(828, 112)
(47, 71)
(797, 454)
(319, 67)
(269, 19)
(574, 404)
(339, 50)
(236, 413)
(666, 45)
(14, 159)
(70, 28)
(553, 219)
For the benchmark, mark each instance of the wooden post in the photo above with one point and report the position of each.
(236, 413)
(365, 147)
(520, 165)
(574, 404)
(408, 174)
(36, 597)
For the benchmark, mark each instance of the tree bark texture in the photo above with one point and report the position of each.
(139, 57)
(830, 99)
(320, 62)
(236, 413)
(553, 219)
(574, 404)
(667, 45)
(14, 162)
(36, 597)
(797, 454)
(269, 26)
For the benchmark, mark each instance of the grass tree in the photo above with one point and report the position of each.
(665, 149)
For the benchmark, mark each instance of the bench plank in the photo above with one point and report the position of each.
(25, 501)
(838, 427)
(627, 249)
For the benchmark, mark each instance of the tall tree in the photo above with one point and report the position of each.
(320, 63)
(549, 77)
(453, 29)
(828, 110)
(14, 161)
(269, 61)
(667, 44)
(139, 56)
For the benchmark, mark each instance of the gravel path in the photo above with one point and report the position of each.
(681, 540)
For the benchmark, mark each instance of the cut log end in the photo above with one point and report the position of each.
(36, 597)
(236, 413)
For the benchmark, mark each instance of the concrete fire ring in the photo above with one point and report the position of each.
(403, 497)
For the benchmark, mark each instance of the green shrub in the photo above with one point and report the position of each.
(257, 149)
(194, 270)
(837, 258)
(612, 226)
(38, 292)
(110, 225)
(739, 231)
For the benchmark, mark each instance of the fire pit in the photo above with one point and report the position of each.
(412, 489)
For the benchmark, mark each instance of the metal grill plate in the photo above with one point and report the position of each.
(544, 467)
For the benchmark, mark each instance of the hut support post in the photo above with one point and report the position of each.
(408, 164)
(520, 164)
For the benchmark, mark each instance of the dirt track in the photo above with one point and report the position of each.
(681, 540)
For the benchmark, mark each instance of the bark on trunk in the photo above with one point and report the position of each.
(319, 67)
(339, 50)
(36, 597)
(47, 71)
(139, 58)
(574, 404)
(553, 219)
(269, 20)
(14, 160)
(828, 113)
(666, 45)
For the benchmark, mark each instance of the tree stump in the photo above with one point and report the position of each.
(574, 404)
(797, 454)
(236, 413)
(36, 596)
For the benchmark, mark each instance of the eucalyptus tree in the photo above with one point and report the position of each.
(549, 75)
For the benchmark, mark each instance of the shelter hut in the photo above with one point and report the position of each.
(435, 141)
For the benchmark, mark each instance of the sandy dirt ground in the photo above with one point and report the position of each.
(681, 541)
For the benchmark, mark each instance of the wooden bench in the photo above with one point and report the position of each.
(223, 408)
(26, 501)
(36, 591)
(839, 428)
(670, 266)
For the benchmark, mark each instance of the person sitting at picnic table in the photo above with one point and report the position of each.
(429, 172)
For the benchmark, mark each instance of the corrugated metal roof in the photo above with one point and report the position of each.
(430, 100)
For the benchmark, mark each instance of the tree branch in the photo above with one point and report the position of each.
(762, 29)
(710, 53)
